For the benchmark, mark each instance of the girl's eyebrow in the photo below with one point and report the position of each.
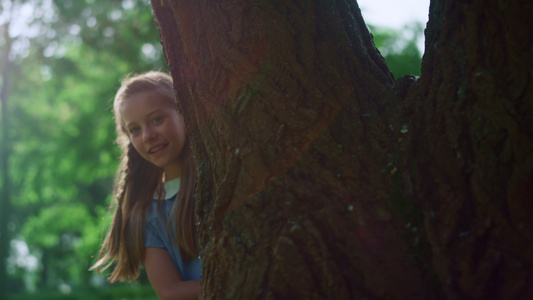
(156, 111)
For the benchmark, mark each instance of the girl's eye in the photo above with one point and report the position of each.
(156, 120)
(134, 130)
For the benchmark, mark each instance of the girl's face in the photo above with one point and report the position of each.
(156, 130)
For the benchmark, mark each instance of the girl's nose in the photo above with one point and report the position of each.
(148, 135)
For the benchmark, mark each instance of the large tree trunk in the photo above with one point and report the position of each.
(472, 115)
(321, 177)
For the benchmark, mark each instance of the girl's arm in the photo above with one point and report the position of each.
(165, 277)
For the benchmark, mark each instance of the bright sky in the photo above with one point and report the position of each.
(383, 13)
(394, 13)
(386, 13)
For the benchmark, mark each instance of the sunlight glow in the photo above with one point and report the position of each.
(394, 14)
(22, 257)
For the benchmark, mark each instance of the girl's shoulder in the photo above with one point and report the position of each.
(160, 208)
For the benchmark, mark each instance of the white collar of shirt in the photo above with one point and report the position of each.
(171, 188)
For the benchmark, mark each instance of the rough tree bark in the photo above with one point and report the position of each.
(322, 177)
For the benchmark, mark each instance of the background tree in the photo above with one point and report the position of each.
(5, 203)
(320, 176)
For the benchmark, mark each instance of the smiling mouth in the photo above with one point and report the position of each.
(156, 148)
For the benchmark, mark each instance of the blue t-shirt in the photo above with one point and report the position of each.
(155, 232)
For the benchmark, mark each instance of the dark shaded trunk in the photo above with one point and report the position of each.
(471, 147)
(322, 177)
(44, 278)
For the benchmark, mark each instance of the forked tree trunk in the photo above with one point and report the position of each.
(321, 177)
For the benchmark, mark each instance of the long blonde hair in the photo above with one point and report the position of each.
(136, 183)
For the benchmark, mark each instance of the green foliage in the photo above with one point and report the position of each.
(64, 158)
(43, 228)
(399, 48)
(119, 292)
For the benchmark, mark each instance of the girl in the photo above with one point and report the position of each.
(153, 222)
